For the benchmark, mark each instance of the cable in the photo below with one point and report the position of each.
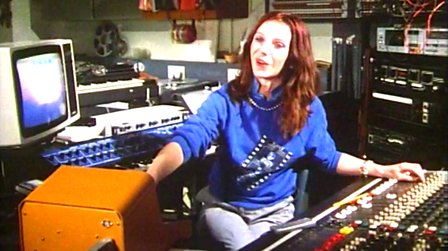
(408, 27)
(420, 7)
(428, 21)
(416, 4)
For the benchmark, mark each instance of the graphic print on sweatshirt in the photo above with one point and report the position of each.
(265, 159)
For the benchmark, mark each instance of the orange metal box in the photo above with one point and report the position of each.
(77, 207)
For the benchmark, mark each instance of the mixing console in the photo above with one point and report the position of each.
(128, 135)
(383, 215)
(101, 152)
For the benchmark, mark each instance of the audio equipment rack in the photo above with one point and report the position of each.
(408, 109)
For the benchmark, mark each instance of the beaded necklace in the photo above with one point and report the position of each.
(263, 108)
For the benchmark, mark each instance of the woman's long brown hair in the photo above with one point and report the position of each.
(300, 79)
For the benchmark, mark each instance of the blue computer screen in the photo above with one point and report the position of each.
(42, 89)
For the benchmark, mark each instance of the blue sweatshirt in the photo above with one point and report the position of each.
(253, 165)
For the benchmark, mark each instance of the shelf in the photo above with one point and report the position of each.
(180, 15)
(225, 9)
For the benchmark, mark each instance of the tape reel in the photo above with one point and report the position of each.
(108, 42)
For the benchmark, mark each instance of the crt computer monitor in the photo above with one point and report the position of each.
(37, 91)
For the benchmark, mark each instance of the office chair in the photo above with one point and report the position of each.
(300, 195)
(300, 203)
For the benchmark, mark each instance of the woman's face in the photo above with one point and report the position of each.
(270, 49)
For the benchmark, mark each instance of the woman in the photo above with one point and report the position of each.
(264, 121)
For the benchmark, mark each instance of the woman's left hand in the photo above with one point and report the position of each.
(404, 171)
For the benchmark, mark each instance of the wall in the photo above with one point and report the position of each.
(160, 46)
(21, 23)
(321, 34)
(5, 34)
(151, 38)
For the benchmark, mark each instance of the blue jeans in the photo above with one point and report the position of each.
(225, 227)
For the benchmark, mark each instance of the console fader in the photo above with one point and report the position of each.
(388, 215)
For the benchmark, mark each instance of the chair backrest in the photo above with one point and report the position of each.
(301, 198)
